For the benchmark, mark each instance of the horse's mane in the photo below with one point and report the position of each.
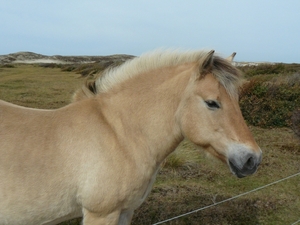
(223, 70)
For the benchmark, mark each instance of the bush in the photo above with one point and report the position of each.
(269, 104)
(278, 68)
(7, 66)
(296, 122)
(49, 65)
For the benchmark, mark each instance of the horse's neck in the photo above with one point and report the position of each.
(145, 116)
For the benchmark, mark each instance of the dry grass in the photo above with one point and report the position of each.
(189, 179)
(37, 87)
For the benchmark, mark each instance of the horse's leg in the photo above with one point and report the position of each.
(125, 217)
(90, 218)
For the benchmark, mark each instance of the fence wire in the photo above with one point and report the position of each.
(229, 199)
(295, 222)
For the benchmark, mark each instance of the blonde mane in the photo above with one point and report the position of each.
(146, 62)
(227, 74)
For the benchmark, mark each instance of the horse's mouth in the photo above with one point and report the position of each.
(243, 172)
(235, 170)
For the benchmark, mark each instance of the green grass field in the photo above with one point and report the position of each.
(189, 179)
(38, 87)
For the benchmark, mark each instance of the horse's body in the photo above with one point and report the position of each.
(98, 157)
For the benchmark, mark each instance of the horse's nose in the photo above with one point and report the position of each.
(244, 163)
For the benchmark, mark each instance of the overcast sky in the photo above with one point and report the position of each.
(258, 30)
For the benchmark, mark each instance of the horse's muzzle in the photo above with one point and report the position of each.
(244, 164)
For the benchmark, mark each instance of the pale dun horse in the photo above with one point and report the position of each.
(98, 156)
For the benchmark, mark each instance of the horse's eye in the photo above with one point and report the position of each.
(211, 104)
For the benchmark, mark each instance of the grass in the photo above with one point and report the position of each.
(37, 87)
(189, 179)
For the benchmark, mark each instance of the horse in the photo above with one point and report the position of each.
(98, 156)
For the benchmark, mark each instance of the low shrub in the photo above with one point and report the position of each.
(88, 69)
(268, 103)
(7, 66)
(296, 122)
(268, 68)
(49, 65)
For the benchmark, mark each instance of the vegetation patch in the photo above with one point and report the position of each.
(296, 122)
(269, 68)
(269, 105)
(270, 99)
(38, 87)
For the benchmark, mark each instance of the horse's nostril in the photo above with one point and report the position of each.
(250, 163)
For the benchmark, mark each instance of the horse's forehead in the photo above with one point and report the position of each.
(210, 79)
(208, 85)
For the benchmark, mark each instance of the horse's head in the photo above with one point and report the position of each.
(211, 118)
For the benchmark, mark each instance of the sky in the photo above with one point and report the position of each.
(258, 30)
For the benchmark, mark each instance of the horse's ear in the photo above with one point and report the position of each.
(206, 63)
(231, 57)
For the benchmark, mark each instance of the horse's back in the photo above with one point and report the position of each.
(19, 126)
(33, 169)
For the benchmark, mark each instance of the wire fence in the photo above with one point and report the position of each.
(296, 222)
(229, 199)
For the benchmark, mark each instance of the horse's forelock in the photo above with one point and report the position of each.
(228, 75)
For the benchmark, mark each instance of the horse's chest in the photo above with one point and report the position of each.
(137, 192)
(125, 193)
(144, 192)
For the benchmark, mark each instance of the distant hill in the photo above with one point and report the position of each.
(31, 58)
